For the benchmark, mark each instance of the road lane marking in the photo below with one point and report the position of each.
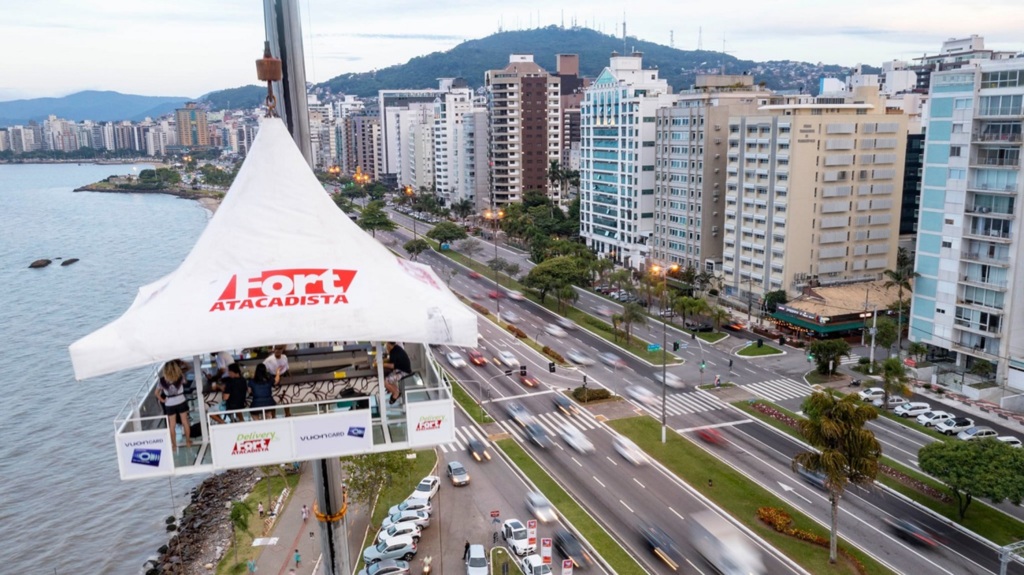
(626, 506)
(676, 512)
(598, 481)
(638, 483)
(577, 461)
(612, 460)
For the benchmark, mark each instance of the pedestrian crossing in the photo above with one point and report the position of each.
(778, 389)
(852, 360)
(692, 402)
(552, 422)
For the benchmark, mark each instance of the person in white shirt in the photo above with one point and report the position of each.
(277, 362)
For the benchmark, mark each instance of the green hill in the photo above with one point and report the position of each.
(235, 98)
(472, 58)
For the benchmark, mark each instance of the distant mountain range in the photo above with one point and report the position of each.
(468, 60)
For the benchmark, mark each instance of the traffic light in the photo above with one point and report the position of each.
(522, 371)
(675, 346)
(551, 366)
(810, 357)
(702, 366)
(693, 335)
(760, 342)
(584, 379)
(730, 364)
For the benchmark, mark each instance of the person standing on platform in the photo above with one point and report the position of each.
(170, 391)
(235, 392)
(277, 362)
(262, 386)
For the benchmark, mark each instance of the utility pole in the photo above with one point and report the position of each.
(874, 330)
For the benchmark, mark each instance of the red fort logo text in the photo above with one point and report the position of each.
(285, 288)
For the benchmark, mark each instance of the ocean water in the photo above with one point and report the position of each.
(63, 507)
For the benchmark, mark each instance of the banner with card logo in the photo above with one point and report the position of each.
(145, 454)
(332, 435)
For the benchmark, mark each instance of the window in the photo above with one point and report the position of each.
(961, 103)
(954, 151)
(947, 244)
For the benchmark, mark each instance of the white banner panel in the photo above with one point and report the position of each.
(145, 454)
(566, 566)
(251, 443)
(545, 550)
(431, 422)
(332, 435)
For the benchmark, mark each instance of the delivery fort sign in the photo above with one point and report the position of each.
(252, 443)
(285, 288)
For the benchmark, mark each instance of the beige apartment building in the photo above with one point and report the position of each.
(190, 122)
(813, 188)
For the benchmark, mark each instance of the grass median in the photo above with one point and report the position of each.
(739, 496)
(753, 351)
(620, 561)
(469, 405)
(982, 519)
(277, 483)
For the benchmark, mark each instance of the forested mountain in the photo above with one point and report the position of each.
(98, 106)
(470, 59)
(236, 98)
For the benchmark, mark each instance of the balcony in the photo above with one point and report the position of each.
(1009, 163)
(328, 388)
(989, 235)
(992, 353)
(981, 306)
(983, 283)
(1002, 261)
(988, 212)
(1012, 138)
(963, 324)
(991, 188)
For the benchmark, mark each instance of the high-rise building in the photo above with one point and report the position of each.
(473, 174)
(391, 104)
(449, 109)
(571, 87)
(525, 134)
(322, 133)
(191, 124)
(415, 137)
(690, 169)
(812, 193)
(966, 300)
(361, 140)
(617, 159)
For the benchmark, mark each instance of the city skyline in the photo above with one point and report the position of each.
(211, 47)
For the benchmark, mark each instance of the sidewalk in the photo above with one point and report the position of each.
(291, 534)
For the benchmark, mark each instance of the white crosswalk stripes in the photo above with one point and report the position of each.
(778, 389)
(852, 360)
(552, 422)
(694, 402)
(462, 436)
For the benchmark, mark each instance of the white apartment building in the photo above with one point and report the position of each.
(415, 137)
(813, 192)
(449, 109)
(617, 159)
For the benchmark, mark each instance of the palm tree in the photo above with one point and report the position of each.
(719, 315)
(631, 313)
(845, 451)
(601, 267)
(565, 294)
(462, 208)
(554, 172)
(894, 379)
(901, 278)
(621, 278)
(240, 513)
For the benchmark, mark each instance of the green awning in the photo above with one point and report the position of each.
(815, 326)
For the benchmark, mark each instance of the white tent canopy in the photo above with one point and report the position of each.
(278, 263)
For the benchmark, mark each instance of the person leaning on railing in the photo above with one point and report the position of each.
(397, 366)
(235, 392)
(170, 392)
(262, 386)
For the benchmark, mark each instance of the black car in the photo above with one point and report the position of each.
(912, 532)
(571, 548)
(478, 450)
(698, 325)
(537, 435)
(662, 545)
(517, 413)
(564, 404)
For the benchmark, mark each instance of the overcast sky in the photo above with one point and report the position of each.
(191, 47)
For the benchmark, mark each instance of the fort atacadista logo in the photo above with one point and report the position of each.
(286, 288)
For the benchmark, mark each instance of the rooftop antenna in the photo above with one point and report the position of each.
(623, 31)
(700, 38)
(671, 38)
(563, 19)
(722, 60)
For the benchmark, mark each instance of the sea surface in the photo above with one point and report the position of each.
(63, 507)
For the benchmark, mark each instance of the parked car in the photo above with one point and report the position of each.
(507, 358)
(630, 451)
(931, 418)
(457, 473)
(540, 507)
(672, 380)
(979, 432)
(476, 561)
(1009, 440)
(401, 547)
(427, 488)
(611, 360)
(871, 393)
(534, 565)
(476, 357)
(387, 567)
(575, 439)
(411, 505)
(954, 425)
(564, 404)
(409, 528)
(642, 394)
(667, 313)
(578, 357)
(421, 518)
(571, 548)
(894, 401)
(555, 330)
(455, 359)
(912, 409)
(513, 532)
(478, 450)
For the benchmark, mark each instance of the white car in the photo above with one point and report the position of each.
(933, 418)
(642, 394)
(540, 507)
(578, 357)
(912, 409)
(421, 518)
(455, 359)
(979, 432)
(565, 323)
(511, 317)
(476, 561)
(506, 357)
(629, 451)
(555, 330)
(871, 394)
(1009, 440)
(514, 533)
(534, 565)
(515, 296)
(894, 401)
(427, 488)
(672, 380)
(575, 438)
(411, 505)
(409, 528)
(955, 425)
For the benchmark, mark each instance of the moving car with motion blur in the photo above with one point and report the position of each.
(911, 532)
(663, 546)
(642, 394)
(477, 450)
(540, 507)
(723, 545)
(455, 359)
(564, 404)
(571, 548)
(629, 451)
(575, 439)
(476, 358)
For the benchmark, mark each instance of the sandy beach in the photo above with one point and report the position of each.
(209, 203)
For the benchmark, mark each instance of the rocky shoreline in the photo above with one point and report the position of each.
(209, 200)
(203, 532)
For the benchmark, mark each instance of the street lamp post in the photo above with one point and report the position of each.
(409, 193)
(495, 216)
(361, 180)
(664, 343)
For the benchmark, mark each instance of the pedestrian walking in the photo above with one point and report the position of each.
(251, 564)
(260, 509)
(465, 552)
(298, 559)
(305, 513)
(718, 381)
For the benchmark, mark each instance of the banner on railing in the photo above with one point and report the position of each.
(261, 442)
(431, 422)
(332, 435)
(145, 454)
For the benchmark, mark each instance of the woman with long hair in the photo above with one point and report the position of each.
(262, 386)
(170, 391)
